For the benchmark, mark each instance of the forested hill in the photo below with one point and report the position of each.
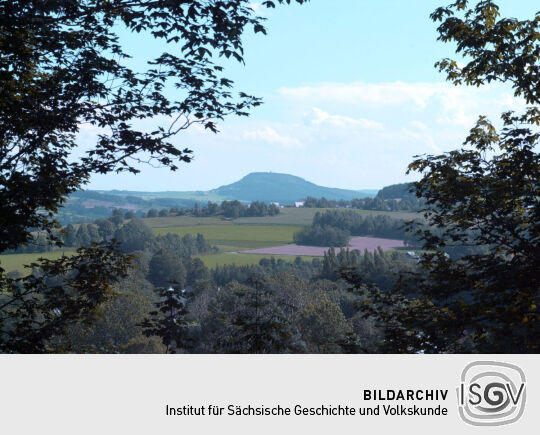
(397, 191)
(284, 188)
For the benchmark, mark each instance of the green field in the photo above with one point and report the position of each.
(183, 221)
(287, 216)
(234, 237)
(213, 260)
(11, 262)
(229, 236)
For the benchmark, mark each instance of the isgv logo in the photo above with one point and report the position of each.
(491, 393)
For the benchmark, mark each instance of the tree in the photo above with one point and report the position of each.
(134, 236)
(93, 232)
(62, 67)
(70, 235)
(323, 325)
(166, 270)
(202, 244)
(244, 319)
(142, 344)
(322, 235)
(37, 309)
(129, 214)
(82, 235)
(168, 320)
(105, 228)
(197, 271)
(119, 319)
(486, 194)
(117, 218)
(495, 48)
(231, 209)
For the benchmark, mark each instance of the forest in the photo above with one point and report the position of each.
(275, 306)
(338, 225)
(390, 198)
(469, 285)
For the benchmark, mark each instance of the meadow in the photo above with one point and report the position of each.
(18, 262)
(230, 236)
(237, 236)
(287, 216)
(213, 260)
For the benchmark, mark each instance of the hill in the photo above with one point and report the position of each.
(257, 186)
(397, 191)
(283, 188)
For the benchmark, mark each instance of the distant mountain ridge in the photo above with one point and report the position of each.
(283, 188)
(257, 186)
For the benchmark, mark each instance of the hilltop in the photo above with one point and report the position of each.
(256, 186)
(283, 188)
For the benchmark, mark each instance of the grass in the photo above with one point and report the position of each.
(287, 217)
(304, 216)
(213, 260)
(237, 236)
(228, 236)
(11, 262)
(247, 233)
(183, 221)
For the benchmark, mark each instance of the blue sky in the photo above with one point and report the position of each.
(350, 92)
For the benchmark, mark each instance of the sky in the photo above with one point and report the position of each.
(350, 94)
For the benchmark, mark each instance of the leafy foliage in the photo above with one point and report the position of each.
(324, 326)
(391, 198)
(232, 209)
(134, 236)
(486, 194)
(166, 269)
(317, 235)
(168, 320)
(334, 227)
(62, 66)
(496, 48)
(117, 323)
(248, 320)
(361, 225)
(38, 308)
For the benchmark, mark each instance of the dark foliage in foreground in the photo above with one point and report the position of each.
(485, 194)
(37, 310)
(62, 67)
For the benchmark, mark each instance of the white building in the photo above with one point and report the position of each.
(299, 204)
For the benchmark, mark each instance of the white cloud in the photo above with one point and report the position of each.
(353, 135)
(459, 106)
(421, 139)
(419, 125)
(322, 117)
(268, 134)
(375, 93)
